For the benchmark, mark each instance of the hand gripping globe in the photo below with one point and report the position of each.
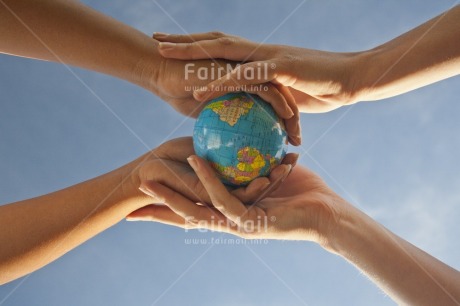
(241, 136)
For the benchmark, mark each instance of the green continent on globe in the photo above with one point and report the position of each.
(250, 164)
(232, 109)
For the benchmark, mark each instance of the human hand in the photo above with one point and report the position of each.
(175, 80)
(302, 208)
(167, 165)
(169, 80)
(319, 81)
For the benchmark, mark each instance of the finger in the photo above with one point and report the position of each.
(227, 204)
(270, 94)
(242, 76)
(165, 215)
(292, 124)
(176, 149)
(291, 159)
(175, 175)
(277, 177)
(248, 194)
(309, 104)
(157, 213)
(227, 47)
(179, 204)
(187, 38)
(255, 191)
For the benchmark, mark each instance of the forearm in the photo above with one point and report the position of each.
(424, 55)
(69, 32)
(35, 232)
(406, 273)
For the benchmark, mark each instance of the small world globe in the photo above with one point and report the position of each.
(241, 137)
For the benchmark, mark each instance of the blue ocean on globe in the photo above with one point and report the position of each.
(241, 136)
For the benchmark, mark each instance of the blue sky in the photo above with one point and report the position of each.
(395, 159)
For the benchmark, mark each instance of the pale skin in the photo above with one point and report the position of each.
(71, 33)
(305, 208)
(322, 81)
(68, 32)
(39, 230)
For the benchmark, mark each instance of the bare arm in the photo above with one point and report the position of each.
(424, 55)
(406, 273)
(322, 81)
(69, 32)
(306, 209)
(35, 232)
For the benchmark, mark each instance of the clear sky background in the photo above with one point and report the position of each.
(395, 159)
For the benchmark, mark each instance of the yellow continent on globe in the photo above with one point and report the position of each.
(250, 163)
(230, 111)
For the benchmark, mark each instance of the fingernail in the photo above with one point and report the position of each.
(132, 219)
(293, 164)
(290, 112)
(200, 91)
(148, 191)
(160, 34)
(299, 132)
(197, 95)
(192, 162)
(296, 140)
(166, 45)
(286, 172)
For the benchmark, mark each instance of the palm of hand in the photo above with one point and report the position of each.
(168, 165)
(302, 208)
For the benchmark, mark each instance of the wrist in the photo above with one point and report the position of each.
(129, 183)
(355, 87)
(324, 217)
(366, 69)
(350, 231)
(329, 220)
(145, 71)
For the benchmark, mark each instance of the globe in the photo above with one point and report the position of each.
(241, 137)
